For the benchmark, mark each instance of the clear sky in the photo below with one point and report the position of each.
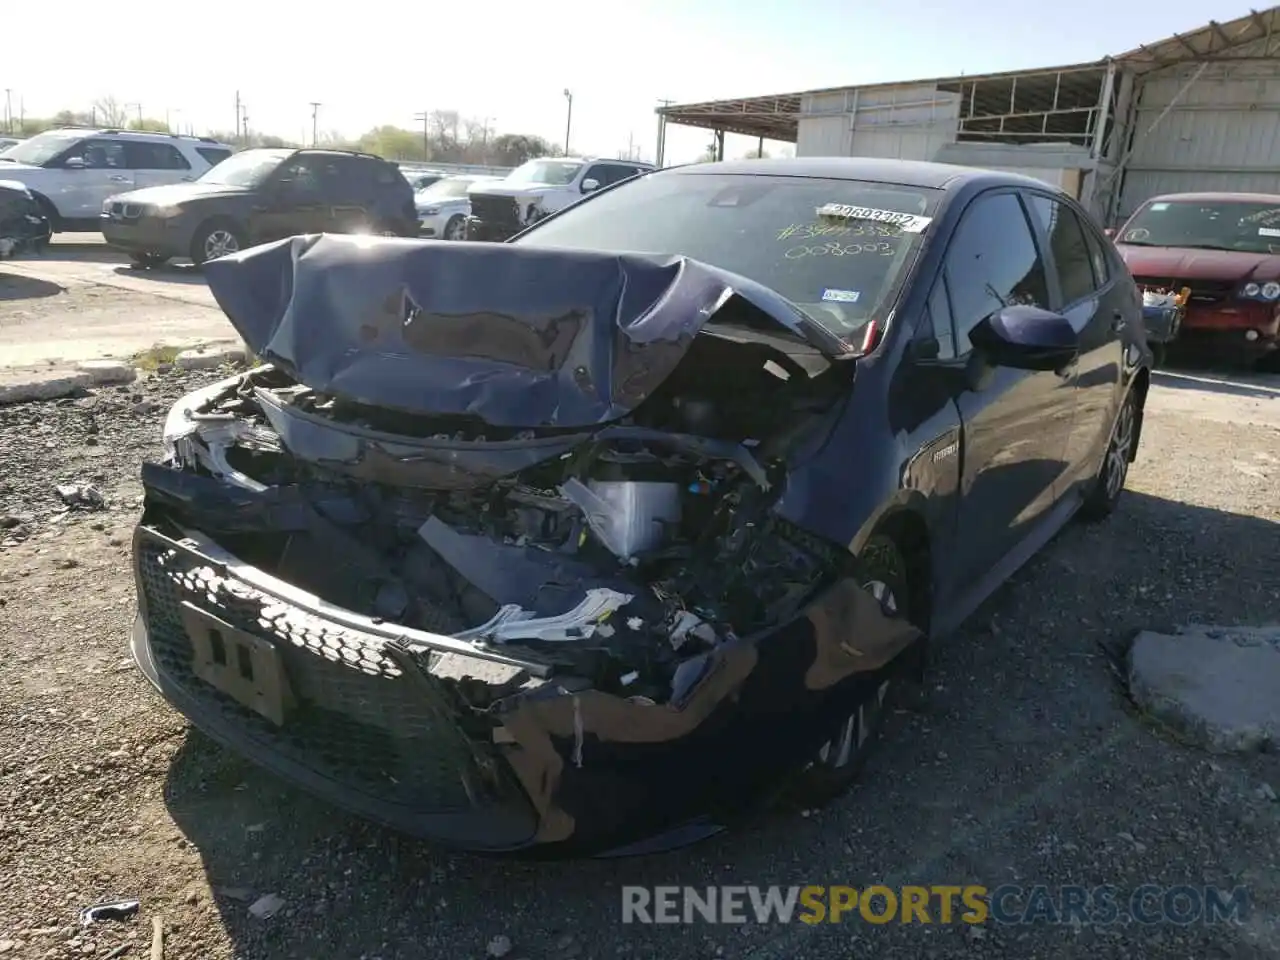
(510, 61)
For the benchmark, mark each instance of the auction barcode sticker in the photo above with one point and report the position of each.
(907, 222)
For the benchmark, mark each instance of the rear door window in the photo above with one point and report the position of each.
(155, 156)
(993, 262)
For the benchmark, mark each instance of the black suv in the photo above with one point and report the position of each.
(260, 195)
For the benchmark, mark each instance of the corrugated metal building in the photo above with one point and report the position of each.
(1197, 111)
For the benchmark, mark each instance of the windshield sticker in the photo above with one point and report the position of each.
(909, 222)
(811, 231)
(840, 296)
(1138, 235)
(1268, 232)
(1159, 206)
(1266, 217)
(834, 248)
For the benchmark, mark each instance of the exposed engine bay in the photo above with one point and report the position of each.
(617, 556)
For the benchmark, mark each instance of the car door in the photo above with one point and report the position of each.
(293, 202)
(156, 164)
(348, 189)
(90, 172)
(1015, 423)
(1094, 303)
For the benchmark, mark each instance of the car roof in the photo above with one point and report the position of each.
(1245, 197)
(139, 134)
(907, 173)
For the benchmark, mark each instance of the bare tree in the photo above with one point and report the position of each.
(109, 112)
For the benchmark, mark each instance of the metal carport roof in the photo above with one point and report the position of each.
(776, 116)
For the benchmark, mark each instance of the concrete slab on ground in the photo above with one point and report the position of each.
(1218, 686)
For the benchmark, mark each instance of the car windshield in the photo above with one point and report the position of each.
(1250, 226)
(247, 169)
(555, 173)
(446, 189)
(837, 249)
(42, 148)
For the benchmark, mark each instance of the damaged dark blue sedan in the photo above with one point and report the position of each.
(587, 542)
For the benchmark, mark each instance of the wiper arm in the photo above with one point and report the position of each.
(818, 334)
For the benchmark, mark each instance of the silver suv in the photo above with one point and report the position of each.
(72, 171)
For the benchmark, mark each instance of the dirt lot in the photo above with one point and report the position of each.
(1025, 765)
(82, 301)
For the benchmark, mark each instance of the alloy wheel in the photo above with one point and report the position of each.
(838, 751)
(1120, 451)
(219, 243)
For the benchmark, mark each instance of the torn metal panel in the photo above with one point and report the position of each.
(518, 337)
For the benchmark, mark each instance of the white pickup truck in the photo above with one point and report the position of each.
(502, 208)
(71, 172)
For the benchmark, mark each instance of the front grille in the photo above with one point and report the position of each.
(1203, 292)
(498, 211)
(360, 719)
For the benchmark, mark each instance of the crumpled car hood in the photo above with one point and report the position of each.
(519, 337)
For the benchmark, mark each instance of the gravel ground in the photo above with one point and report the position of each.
(1026, 763)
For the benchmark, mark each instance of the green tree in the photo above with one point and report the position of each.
(513, 149)
(394, 143)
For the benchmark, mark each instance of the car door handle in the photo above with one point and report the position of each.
(115, 177)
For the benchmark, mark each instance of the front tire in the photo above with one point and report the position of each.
(882, 570)
(214, 239)
(456, 228)
(1105, 488)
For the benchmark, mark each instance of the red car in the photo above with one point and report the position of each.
(1224, 248)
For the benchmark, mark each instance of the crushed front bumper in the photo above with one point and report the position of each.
(369, 726)
(365, 726)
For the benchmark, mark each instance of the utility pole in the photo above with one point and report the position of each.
(660, 152)
(568, 121)
(315, 110)
(8, 110)
(425, 117)
(237, 115)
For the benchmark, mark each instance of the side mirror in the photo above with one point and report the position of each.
(1027, 338)
(590, 184)
(74, 163)
(1109, 233)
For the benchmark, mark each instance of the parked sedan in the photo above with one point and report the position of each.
(443, 207)
(586, 541)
